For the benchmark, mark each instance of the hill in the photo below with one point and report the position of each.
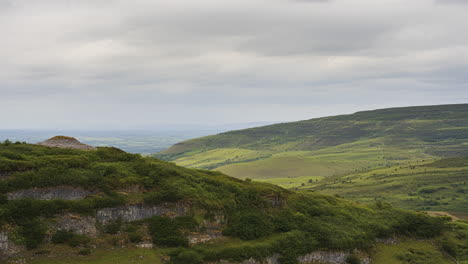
(62, 205)
(330, 146)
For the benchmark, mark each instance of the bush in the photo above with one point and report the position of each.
(85, 251)
(166, 232)
(70, 238)
(113, 227)
(249, 225)
(187, 257)
(61, 237)
(135, 237)
(33, 232)
(353, 259)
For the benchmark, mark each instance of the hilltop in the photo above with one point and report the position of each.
(65, 142)
(60, 203)
(293, 153)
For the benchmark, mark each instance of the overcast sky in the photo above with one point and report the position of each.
(122, 64)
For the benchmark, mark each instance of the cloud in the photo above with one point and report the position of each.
(128, 64)
(451, 2)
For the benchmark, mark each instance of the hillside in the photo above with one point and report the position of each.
(436, 186)
(61, 205)
(330, 146)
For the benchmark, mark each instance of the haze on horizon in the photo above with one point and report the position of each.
(119, 64)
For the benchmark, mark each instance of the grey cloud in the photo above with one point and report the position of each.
(451, 1)
(239, 61)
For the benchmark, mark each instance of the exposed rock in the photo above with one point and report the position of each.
(7, 248)
(328, 257)
(83, 225)
(139, 212)
(269, 260)
(59, 192)
(388, 241)
(145, 245)
(65, 142)
(314, 257)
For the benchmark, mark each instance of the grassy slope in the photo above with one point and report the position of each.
(437, 186)
(331, 145)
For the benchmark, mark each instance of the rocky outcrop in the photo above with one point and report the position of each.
(329, 258)
(65, 142)
(209, 230)
(139, 212)
(7, 248)
(83, 225)
(270, 260)
(324, 257)
(59, 192)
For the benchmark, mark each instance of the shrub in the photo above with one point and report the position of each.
(135, 237)
(248, 225)
(353, 259)
(70, 238)
(165, 232)
(33, 232)
(85, 251)
(61, 236)
(113, 227)
(187, 257)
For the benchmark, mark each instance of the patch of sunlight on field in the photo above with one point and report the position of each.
(292, 182)
(217, 157)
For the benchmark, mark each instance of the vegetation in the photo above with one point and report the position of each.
(260, 219)
(293, 153)
(436, 186)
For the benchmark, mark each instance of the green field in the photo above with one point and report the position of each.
(436, 186)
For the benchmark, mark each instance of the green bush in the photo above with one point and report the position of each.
(33, 231)
(70, 238)
(353, 259)
(135, 237)
(249, 225)
(166, 232)
(187, 257)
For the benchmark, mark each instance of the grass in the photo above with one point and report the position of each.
(434, 186)
(409, 252)
(64, 255)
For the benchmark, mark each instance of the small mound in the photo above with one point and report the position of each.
(65, 142)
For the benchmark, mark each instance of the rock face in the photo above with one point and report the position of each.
(7, 247)
(324, 257)
(139, 212)
(328, 257)
(83, 225)
(65, 142)
(60, 192)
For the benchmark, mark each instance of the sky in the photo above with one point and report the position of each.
(109, 64)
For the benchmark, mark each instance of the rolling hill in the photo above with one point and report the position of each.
(103, 205)
(292, 153)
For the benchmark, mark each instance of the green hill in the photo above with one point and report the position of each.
(74, 206)
(296, 152)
